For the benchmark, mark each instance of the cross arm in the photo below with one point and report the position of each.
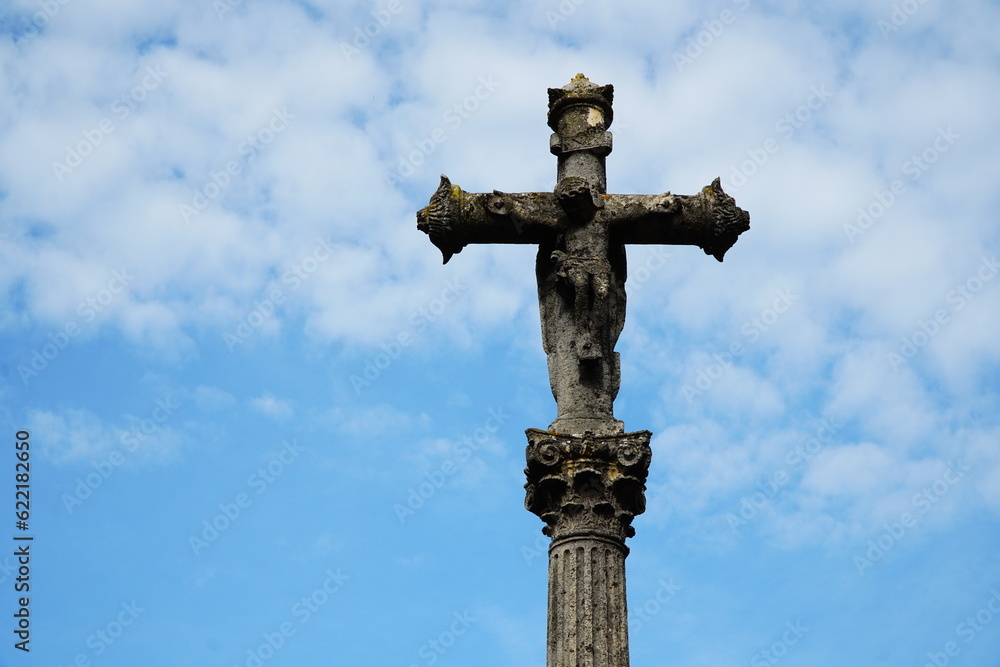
(454, 218)
(710, 219)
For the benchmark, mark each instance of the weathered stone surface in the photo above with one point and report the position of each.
(455, 218)
(581, 233)
(587, 484)
(587, 615)
(586, 477)
(587, 489)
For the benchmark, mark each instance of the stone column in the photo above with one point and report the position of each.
(581, 273)
(587, 489)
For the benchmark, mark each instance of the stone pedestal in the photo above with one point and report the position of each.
(587, 489)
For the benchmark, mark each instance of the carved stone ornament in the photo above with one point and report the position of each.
(588, 484)
(586, 476)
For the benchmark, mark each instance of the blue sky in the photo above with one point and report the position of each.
(268, 427)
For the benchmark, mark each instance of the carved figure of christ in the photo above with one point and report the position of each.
(581, 233)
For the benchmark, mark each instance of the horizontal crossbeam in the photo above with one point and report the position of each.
(455, 218)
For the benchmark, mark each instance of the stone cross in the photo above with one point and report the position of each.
(586, 476)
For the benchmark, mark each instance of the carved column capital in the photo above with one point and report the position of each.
(587, 485)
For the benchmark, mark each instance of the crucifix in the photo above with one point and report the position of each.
(586, 475)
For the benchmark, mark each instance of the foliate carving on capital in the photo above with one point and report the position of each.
(587, 484)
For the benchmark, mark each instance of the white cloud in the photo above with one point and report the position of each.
(73, 436)
(371, 421)
(855, 470)
(273, 407)
(324, 176)
(213, 399)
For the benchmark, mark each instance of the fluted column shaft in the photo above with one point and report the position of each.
(588, 615)
(587, 488)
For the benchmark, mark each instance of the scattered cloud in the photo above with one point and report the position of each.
(270, 406)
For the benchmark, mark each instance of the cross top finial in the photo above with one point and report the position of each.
(580, 90)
